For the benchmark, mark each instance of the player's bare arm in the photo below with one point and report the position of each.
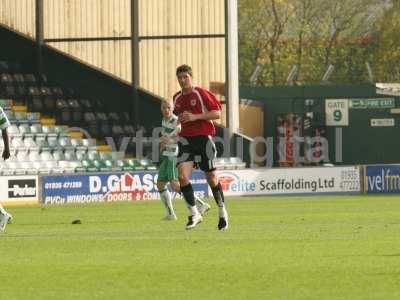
(163, 143)
(6, 151)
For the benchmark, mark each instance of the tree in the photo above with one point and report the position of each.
(387, 54)
(312, 34)
(261, 25)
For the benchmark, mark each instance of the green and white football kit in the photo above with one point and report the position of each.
(5, 217)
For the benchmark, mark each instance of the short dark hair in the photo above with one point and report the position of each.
(183, 69)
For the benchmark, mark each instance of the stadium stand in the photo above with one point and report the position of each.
(229, 163)
(41, 138)
(37, 95)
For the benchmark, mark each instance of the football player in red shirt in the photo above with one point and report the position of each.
(196, 109)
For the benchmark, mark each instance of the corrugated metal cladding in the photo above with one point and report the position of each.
(88, 18)
(19, 15)
(159, 59)
(111, 18)
(92, 19)
(181, 17)
(110, 56)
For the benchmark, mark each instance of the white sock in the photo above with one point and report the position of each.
(193, 210)
(166, 199)
(199, 202)
(222, 212)
(2, 210)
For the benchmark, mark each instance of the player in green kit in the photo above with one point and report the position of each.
(168, 158)
(5, 217)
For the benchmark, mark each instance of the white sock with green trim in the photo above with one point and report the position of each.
(166, 199)
(2, 210)
(198, 200)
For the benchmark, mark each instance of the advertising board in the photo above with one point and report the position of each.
(382, 179)
(286, 181)
(108, 187)
(19, 189)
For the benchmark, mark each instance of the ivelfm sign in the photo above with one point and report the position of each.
(21, 188)
(383, 179)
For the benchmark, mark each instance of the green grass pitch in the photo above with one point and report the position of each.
(343, 247)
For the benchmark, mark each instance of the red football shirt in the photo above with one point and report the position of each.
(197, 101)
